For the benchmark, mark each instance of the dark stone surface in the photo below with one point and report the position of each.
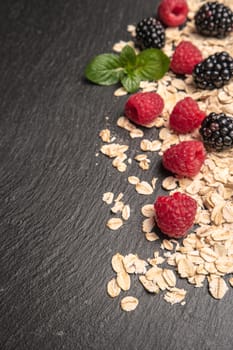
(55, 251)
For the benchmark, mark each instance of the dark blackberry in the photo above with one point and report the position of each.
(217, 131)
(214, 19)
(214, 72)
(150, 33)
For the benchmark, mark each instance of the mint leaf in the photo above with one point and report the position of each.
(129, 68)
(151, 64)
(128, 57)
(104, 69)
(131, 82)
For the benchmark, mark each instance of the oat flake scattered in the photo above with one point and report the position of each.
(129, 303)
(218, 287)
(117, 262)
(144, 187)
(133, 180)
(175, 295)
(151, 236)
(123, 280)
(148, 210)
(108, 197)
(126, 212)
(114, 223)
(113, 289)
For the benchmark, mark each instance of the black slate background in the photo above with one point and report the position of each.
(55, 251)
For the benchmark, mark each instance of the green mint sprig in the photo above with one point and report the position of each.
(128, 68)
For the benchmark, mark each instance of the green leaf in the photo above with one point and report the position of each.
(104, 69)
(129, 68)
(131, 82)
(128, 57)
(152, 64)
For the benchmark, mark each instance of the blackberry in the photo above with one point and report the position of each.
(214, 72)
(217, 131)
(150, 33)
(214, 19)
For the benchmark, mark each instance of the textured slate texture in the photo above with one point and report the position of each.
(55, 251)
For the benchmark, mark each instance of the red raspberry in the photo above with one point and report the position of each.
(186, 116)
(185, 57)
(185, 158)
(173, 13)
(175, 214)
(143, 107)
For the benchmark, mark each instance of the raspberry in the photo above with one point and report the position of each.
(173, 13)
(186, 116)
(143, 107)
(185, 158)
(175, 214)
(185, 57)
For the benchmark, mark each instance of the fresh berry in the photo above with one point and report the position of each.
(214, 72)
(150, 33)
(217, 131)
(175, 214)
(185, 158)
(214, 19)
(173, 13)
(186, 116)
(185, 57)
(143, 107)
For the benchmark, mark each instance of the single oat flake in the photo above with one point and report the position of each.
(113, 289)
(144, 187)
(133, 180)
(218, 287)
(126, 212)
(169, 277)
(108, 197)
(117, 262)
(105, 135)
(175, 295)
(114, 223)
(148, 210)
(151, 236)
(129, 303)
(123, 280)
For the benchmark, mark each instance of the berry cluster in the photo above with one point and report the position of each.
(150, 32)
(212, 19)
(175, 214)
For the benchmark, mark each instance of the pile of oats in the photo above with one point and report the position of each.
(206, 254)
